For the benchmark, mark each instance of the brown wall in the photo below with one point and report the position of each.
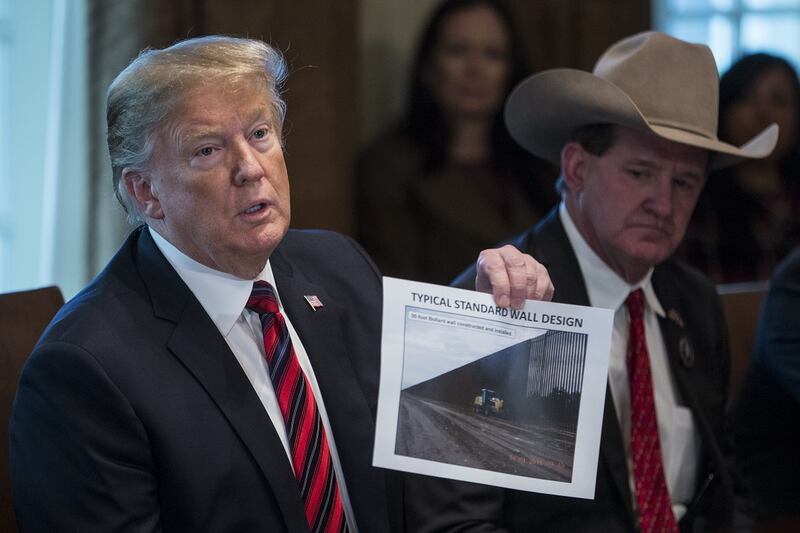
(573, 33)
(320, 40)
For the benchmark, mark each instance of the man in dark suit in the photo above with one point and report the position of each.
(221, 373)
(766, 432)
(634, 140)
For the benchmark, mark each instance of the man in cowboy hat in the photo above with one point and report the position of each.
(635, 140)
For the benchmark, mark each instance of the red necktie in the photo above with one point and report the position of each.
(311, 456)
(652, 495)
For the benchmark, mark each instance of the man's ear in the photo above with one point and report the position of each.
(574, 159)
(141, 189)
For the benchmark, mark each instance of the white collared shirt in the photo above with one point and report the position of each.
(680, 442)
(223, 297)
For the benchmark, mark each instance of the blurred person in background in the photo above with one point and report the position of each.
(748, 217)
(448, 180)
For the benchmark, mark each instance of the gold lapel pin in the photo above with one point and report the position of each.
(686, 352)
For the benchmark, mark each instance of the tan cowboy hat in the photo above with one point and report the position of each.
(649, 81)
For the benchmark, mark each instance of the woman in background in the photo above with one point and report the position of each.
(449, 180)
(748, 217)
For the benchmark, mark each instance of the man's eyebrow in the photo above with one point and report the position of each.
(641, 161)
(203, 129)
(187, 134)
(192, 132)
(649, 164)
(692, 175)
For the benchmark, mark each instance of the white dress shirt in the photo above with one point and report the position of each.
(223, 296)
(680, 442)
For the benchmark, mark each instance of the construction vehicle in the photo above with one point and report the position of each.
(488, 402)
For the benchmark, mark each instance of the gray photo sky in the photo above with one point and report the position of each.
(438, 342)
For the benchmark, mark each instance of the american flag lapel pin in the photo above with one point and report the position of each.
(314, 301)
(675, 316)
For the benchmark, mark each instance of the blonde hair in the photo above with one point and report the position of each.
(143, 95)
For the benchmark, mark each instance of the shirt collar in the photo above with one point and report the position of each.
(222, 295)
(605, 287)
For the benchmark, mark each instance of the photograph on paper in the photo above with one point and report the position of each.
(499, 396)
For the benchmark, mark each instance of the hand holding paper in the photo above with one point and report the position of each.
(512, 277)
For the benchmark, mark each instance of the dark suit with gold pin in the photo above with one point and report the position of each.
(696, 343)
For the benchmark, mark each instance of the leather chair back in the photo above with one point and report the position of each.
(23, 317)
(741, 303)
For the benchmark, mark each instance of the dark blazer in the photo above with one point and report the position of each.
(133, 414)
(694, 327)
(767, 434)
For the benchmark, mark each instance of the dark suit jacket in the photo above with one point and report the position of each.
(767, 432)
(133, 414)
(701, 386)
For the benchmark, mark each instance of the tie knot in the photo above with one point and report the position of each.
(262, 299)
(635, 303)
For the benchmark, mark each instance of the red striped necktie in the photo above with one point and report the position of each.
(652, 495)
(311, 457)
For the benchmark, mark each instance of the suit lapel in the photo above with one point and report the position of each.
(553, 249)
(680, 354)
(321, 333)
(676, 337)
(196, 342)
(349, 413)
(680, 349)
(554, 252)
